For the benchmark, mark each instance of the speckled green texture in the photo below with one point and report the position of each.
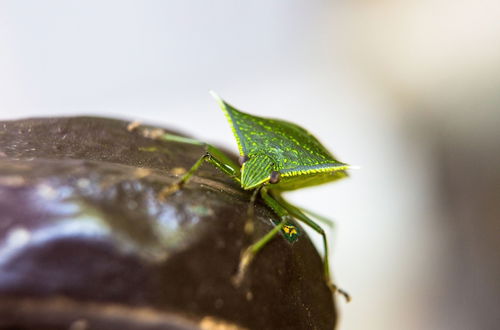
(277, 145)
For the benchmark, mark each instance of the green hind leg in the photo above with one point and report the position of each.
(297, 213)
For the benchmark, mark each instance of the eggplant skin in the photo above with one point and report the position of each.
(84, 237)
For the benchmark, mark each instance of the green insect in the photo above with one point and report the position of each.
(275, 156)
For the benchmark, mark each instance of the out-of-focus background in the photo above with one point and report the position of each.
(407, 90)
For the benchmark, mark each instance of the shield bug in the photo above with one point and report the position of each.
(275, 156)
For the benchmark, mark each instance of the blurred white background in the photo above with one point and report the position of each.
(407, 90)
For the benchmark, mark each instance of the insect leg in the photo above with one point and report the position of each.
(290, 231)
(215, 152)
(321, 218)
(297, 213)
(249, 226)
(212, 155)
(250, 252)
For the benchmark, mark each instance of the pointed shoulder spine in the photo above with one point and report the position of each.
(226, 108)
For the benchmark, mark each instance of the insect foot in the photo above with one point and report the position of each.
(169, 190)
(250, 252)
(336, 290)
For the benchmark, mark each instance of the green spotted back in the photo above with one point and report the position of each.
(293, 150)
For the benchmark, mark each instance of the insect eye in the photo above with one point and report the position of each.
(243, 159)
(275, 177)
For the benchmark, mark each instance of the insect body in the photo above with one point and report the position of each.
(275, 156)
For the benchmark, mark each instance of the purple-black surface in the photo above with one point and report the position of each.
(85, 242)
